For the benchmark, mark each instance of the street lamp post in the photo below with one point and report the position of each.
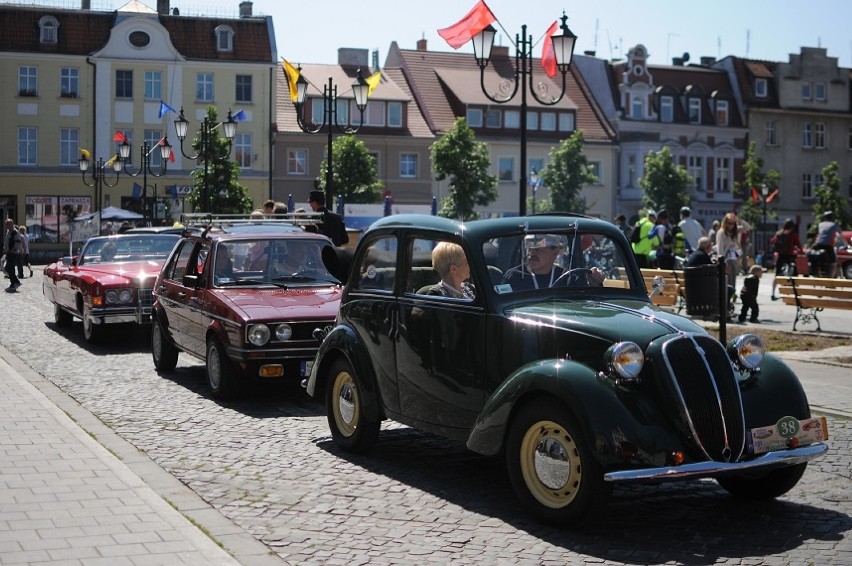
(534, 185)
(764, 191)
(98, 177)
(207, 133)
(563, 48)
(144, 169)
(360, 90)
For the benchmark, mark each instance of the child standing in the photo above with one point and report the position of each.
(748, 294)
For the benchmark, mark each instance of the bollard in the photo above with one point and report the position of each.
(723, 303)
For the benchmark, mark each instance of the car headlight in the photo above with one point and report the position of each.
(125, 296)
(625, 359)
(258, 334)
(747, 351)
(283, 332)
(111, 297)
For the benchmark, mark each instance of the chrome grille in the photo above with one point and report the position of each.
(707, 388)
(145, 299)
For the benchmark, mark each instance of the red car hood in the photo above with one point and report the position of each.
(120, 273)
(277, 304)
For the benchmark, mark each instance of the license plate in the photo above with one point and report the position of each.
(788, 432)
(305, 368)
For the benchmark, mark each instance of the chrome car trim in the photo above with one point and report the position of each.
(702, 469)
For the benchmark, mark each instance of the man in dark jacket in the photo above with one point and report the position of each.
(332, 224)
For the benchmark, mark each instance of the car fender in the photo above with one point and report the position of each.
(590, 399)
(343, 341)
(773, 393)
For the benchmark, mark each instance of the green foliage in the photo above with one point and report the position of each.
(225, 194)
(666, 183)
(353, 172)
(458, 156)
(750, 211)
(828, 197)
(566, 174)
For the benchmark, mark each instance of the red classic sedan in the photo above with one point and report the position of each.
(109, 282)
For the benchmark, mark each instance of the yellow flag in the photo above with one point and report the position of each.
(111, 161)
(86, 153)
(292, 76)
(373, 80)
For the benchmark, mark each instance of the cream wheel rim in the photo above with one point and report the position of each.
(550, 464)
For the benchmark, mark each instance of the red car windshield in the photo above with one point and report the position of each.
(125, 248)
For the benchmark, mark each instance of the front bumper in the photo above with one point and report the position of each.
(764, 462)
(118, 315)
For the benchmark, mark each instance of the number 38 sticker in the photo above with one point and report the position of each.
(788, 427)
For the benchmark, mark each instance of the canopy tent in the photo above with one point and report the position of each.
(111, 213)
(88, 225)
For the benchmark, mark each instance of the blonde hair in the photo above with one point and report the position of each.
(755, 269)
(445, 255)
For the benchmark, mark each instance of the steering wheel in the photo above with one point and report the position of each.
(572, 273)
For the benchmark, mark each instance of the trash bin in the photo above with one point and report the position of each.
(701, 285)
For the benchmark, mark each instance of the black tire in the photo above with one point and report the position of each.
(846, 270)
(222, 377)
(551, 469)
(91, 331)
(61, 317)
(163, 352)
(350, 428)
(764, 486)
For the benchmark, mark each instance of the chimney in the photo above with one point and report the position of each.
(421, 44)
(707, 61)
(86, 5)
(163, 7)
(589, 52)
(352, 57)
(500, 51)
(376, 60)
(245, 9)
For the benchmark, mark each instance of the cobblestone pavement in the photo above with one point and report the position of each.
(268, 464)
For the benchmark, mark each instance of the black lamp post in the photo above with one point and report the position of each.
(99, 177)
(764, 191)
(534, 184)
(360, 90)
(207, 134)
(124, 150)
(563, 48)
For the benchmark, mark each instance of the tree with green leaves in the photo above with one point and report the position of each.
(457, 156)
(828, 198)
(225, 195)
(566, 174)
(353, 171)
(754, 177)
(665, 182)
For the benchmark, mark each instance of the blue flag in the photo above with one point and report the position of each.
(239, 116)
(137, 191)
(172, 190)
(164, 108)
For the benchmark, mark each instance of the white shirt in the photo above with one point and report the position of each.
(692, 230)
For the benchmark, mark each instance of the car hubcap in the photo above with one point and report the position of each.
(550, 463)
(345, 404)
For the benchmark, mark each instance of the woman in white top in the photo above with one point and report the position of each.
(728, 244)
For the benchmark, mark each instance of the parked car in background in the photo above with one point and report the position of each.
(252, 302)
(555, 357)
(110, 281)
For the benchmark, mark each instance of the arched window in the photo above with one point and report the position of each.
(224, 38)
(49, 27)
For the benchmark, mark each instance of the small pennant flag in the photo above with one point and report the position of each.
(479, 18)
(373, 80)
(548, 57)
(239, 116)
(772, 195)
(755, 196)
(112, 160)
(137, 191)
(164, 108)
(119, 136)
(85, 153)
(292, 76)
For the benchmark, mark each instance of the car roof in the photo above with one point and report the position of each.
(162, 230)
(263, 234)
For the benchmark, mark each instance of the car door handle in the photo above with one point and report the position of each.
(161, 288)
(181, 295)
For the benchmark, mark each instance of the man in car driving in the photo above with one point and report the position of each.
(540, 270)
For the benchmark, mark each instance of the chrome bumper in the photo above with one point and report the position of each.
(766, 461)
(120, 315)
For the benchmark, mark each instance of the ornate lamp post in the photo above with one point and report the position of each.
(98, 177)
(563, 49)
(764, 192)
(144, 169)
(207, 133)
(534, 185)
(360, 89)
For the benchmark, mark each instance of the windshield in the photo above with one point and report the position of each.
(290, 262)
(124, 248)
(528, 262)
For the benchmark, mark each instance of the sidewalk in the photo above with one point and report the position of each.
(73, 496)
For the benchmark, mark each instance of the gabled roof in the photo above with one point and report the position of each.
(746, 71)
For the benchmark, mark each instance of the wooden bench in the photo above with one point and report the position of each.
(673, 288)
(810, 295)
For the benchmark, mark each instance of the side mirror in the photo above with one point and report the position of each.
(190, 281)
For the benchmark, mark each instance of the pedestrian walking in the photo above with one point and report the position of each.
(785, 244)
(332, 224)
(691, 228)
(728, 244)
(663, 232)
(827, 232)
(26, 261)
(748, 295)
(13, 249)
(642, 240)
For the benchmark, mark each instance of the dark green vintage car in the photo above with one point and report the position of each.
(535, 337)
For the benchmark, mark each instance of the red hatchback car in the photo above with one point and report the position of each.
(251, 301)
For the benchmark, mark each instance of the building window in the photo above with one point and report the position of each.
(631, 170)
(48, 27)
(849, 139)
(806, 91)
(153, 138)
(723, 175)
(69, 82)
(566, 122)
(224, 38)
(128, 135)
(506, 169)
(806, 135)
(548, 122)
(807, 185)
(27, 81)
(242, 150)
(395, 114)
(695, 166)
(341, 114)
(27, 146)
(761, 89)
(849, 186)
(595, 168)
(512, 119)
(532, 120)
(694, 111)
(637, 108)
(818, 180)
(474, 117)
(243, 93)
(204, 87)
(819, 92)
(771, 133)
(408, 165)
(123, 84)
(374, 115)
(492, 118)
(721, 112)
(819, 135)
(153, 85)
(69, 146)
(666, 109)
(297, 162)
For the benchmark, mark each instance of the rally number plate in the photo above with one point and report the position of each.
(788, 432)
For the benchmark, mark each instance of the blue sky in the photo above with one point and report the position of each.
(311, 32)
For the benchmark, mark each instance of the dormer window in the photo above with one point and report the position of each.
(694, 110)
(637, 108)
(721, 112)
(48, 26)
(761, 88)
(224, 38)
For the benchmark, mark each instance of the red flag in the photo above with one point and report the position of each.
(163, 141)
(119, 136)
(479, 18)
(755, 196)
(548, 57)
(772, 196)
